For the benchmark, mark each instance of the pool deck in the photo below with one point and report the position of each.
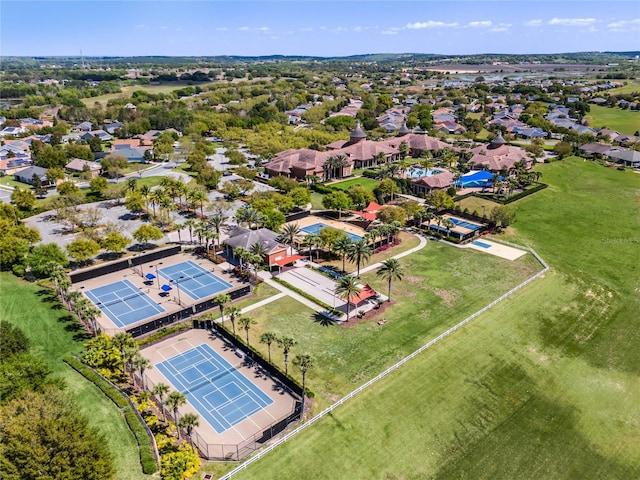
(346, 227)
(497, 249)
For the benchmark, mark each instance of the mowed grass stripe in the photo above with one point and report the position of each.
(542, 386)
(54, 333)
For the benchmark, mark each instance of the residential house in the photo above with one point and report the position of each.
(439, 181)
(628, 158)
(83, 127)
(595, 149)
(111, 128)
(78, 165)
(26, 176)
(11, 131)
(101, 134)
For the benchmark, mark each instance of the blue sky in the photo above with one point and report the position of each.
(325, 28)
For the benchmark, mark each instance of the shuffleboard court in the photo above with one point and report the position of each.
(222, 396)
(194, 280)
(123, 302)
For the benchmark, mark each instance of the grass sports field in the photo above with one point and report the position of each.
(128, 90)
(54, 333)
(623, 121)
(543, 386)
(368, 183)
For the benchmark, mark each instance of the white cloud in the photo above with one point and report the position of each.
(222, 29)
(391, 31)
(572, 22)
(264, 29)
(501, 27)
(625, 25)
(481, 24)
(534, 23)
(307, 29)
(430, 24)
(244, 29)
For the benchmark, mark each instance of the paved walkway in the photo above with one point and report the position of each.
(262, 303)
(420, 246)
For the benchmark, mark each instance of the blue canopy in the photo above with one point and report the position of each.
(150, 276)
(166, 288)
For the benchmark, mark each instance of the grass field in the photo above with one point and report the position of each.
(543, 386)
(629, 88)
(475, 204)
(55, 334)
(368, 183)
(623, 121)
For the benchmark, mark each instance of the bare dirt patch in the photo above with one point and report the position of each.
(447, 296)
(370, 315)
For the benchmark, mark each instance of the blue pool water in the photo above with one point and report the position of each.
(316, 227)
(421, 172)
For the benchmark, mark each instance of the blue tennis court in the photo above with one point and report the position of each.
(316, 227)
(123, 303)
(481, 244)
(215, 388)
(463, 223)
(198, 282)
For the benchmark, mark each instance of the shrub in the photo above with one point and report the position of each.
(164, 332)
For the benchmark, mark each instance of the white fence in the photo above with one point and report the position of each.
(383, 374)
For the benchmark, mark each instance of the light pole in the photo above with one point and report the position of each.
(177, 282)
(157, 276)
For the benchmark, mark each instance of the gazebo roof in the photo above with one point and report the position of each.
(498, 140)
(357, 133)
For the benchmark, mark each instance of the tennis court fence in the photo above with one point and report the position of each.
(219, 452)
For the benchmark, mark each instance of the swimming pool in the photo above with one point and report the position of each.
(422, 172)
(316, 227)
(480, 244)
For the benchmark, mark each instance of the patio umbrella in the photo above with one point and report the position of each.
(150, 276)
(166, 288)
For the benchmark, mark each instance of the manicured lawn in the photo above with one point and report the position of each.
(475, 204)
(442, 285)
(368, 183)
(316, 201)
(261, 292)
(54, 334)
(623, 121)
(629, 88)
(543, 386)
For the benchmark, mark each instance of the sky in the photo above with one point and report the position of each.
(317, 28)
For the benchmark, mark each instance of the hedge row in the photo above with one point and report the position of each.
(308, 296)
(256, 353)
(163, 333)
(320, 188)
(513, 198)
(147, 458)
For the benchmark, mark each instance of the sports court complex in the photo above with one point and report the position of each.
(312, 224)
(240, 406)
(155, 290)
(461, 227)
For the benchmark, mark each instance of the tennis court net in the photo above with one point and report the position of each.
(120, 299)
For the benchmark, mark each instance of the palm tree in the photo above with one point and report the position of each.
(91, 314)
(57, 273)
(259, 249)
(160, 390)
(380, 158)
(131, 185)
(359, 253)
(342, 247)
(341, 161)
(188, 422)
(254, 217)
(305, 362)
(197, 197)
(315, 241)
(166, 205)
(233, 313)
(268, 338)
(288, 233)
(222, 300)
(216, 221)
(190, 224)
(390, 270)
(199, 230)
(145, 191)
(245, 323)
(156, 197)
(346, 288)
(241, 254)
(209, 235)
(286, 344)
(448, 224)
(141, 364)
(174, 401)
(328, 167)
(393, 229)
(121, 341)
(128, 354)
